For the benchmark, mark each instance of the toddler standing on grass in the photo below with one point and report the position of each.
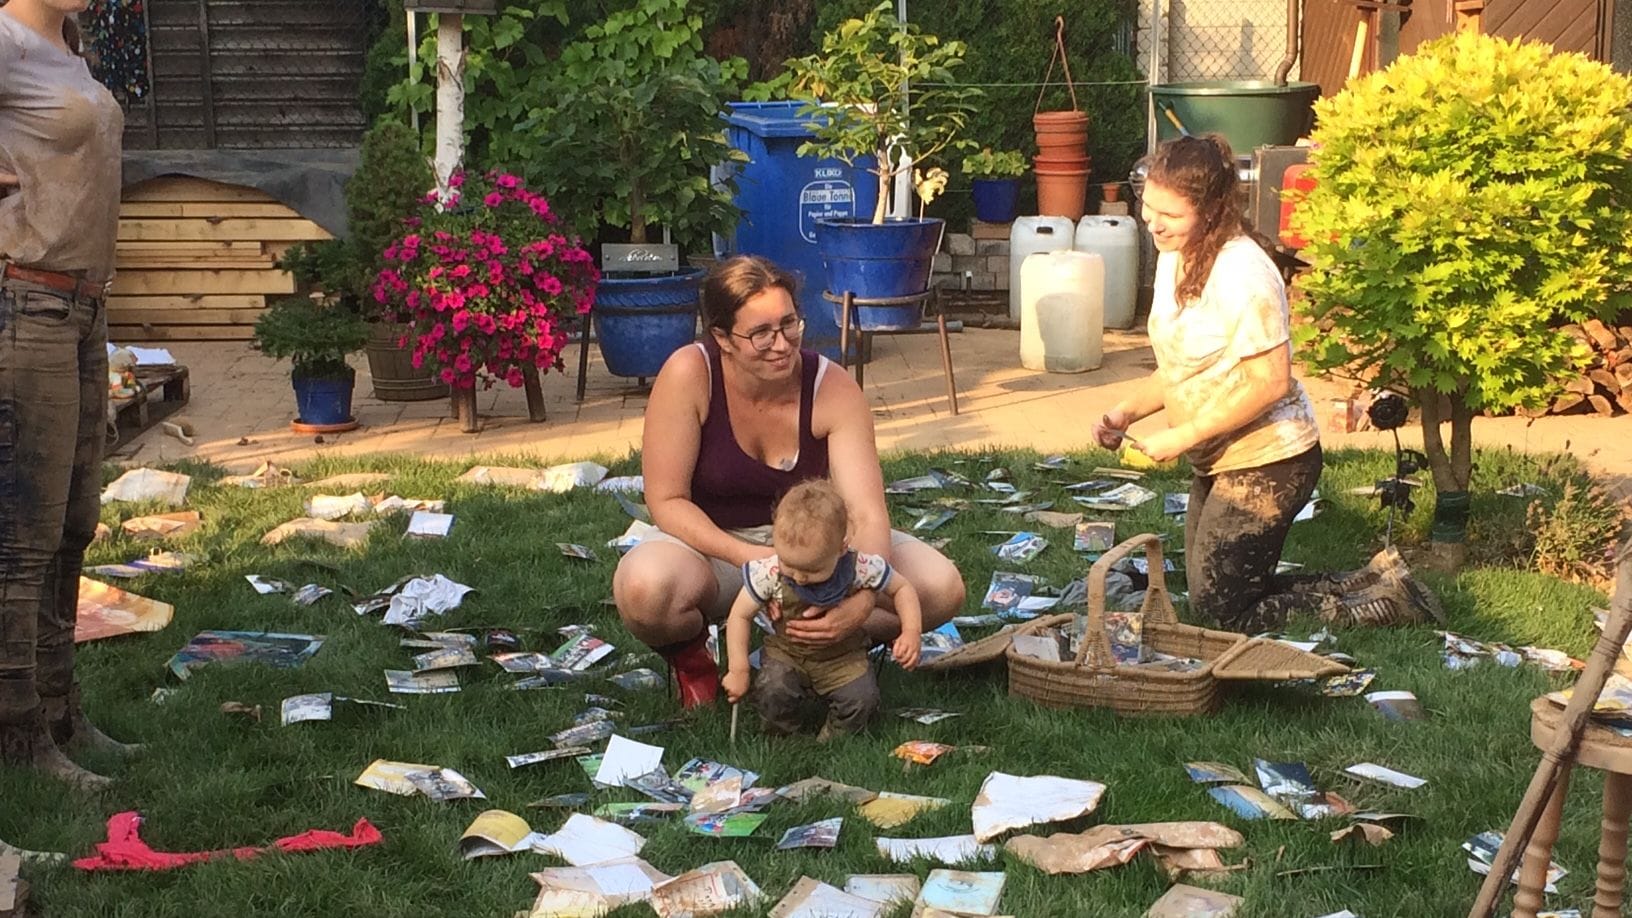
(814, 568)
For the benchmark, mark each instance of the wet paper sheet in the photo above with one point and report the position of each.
(1010, 802)
(708, 890)
(883, 888)
(961, 892)
(169, 488)
(344, 535)
(585, 892)
(625, 759)
(162, 525)
(107, 611)
(948, 849)
(495, 833)
(585, 840)
(1194, 902)
(889, 810)
(1111, 846)
(812, 898)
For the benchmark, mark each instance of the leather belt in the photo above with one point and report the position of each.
(56, 280)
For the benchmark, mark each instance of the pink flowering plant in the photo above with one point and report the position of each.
(488, 284)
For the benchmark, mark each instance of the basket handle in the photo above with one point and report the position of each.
(1058, 54)
(1095, 647)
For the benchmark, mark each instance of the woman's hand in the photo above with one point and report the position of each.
(820, 627)
(1111, 428)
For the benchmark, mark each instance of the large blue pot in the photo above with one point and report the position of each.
(996, 199)
(640, 321)
(323, 400)
(892, 259)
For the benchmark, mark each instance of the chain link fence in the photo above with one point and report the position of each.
(1213, 39)
(235, 74)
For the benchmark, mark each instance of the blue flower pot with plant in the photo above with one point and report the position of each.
(995, 178)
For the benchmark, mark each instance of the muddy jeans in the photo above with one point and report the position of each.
(53, 414)
(782, 694)
(1234, 531)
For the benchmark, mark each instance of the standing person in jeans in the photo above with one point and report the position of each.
(733, 423)
(1220, 329)
(59, 209)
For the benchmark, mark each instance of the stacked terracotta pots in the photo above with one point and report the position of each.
(1062, 163)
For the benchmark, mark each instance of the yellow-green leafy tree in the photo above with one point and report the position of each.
(1470, 199)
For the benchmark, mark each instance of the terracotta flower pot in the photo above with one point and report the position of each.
(1112, 191)
(1061, 133)
(1062, 186)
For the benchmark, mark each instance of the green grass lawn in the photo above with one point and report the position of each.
(212, 780)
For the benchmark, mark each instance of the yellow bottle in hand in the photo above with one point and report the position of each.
(1134, 458)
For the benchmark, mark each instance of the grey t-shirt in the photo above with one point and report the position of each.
(59, 133)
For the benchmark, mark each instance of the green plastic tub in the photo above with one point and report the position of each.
(1249, 113)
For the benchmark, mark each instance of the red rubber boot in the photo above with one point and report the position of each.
(694, 671)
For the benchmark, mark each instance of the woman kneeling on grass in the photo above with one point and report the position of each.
(733, 423)
(1220, 329)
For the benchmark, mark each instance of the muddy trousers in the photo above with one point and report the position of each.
(1234, 530)
(53, 414)
(782, 695)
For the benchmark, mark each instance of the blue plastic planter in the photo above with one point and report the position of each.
(996, 199)
(782, 196)
(322, 401)
(879, 261)
(640, 321)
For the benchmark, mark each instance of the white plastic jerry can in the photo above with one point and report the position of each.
(1031, 235)
(1062, 317)
(1116, 239)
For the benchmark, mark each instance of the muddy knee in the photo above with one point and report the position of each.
(779, 695)
(851, 707)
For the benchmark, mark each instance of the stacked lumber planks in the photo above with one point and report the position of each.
(195, 260)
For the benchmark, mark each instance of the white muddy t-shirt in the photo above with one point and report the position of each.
(1242, 312)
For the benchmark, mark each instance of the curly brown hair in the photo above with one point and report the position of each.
(1202, 171)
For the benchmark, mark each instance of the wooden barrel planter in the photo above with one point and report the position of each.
(391, 366)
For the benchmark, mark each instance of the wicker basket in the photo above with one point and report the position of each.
(1095, 680)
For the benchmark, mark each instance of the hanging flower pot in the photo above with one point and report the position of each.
(1060, 133)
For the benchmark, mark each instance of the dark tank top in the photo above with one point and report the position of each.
(734, 489)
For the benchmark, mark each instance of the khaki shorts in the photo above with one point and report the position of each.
(728, 576)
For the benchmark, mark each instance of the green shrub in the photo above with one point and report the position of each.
(1469, 198)
(387, 187)
(313, 335)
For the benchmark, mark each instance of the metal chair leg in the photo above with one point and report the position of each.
(946, 363)
(844, 331)
(583, 357)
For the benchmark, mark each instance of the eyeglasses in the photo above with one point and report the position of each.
(764, 337)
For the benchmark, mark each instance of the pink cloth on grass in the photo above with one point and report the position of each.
(125, 850)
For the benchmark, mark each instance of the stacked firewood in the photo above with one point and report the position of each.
(1606, 386)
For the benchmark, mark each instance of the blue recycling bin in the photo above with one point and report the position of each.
(783, 194)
